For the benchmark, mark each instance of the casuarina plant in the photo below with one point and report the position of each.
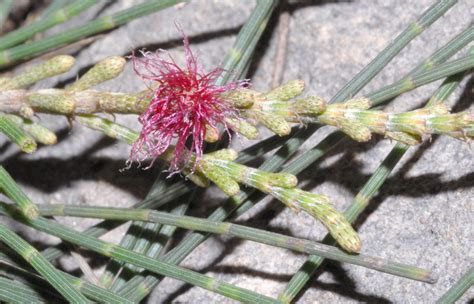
(234, 126)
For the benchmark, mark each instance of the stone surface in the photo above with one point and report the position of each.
(422, 216)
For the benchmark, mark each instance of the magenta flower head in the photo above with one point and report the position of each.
(184, 103)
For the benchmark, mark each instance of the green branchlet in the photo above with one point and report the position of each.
(11, 189)
(30, 30)
(243, 127)
(226, 174)
(106, 69)
(275, 110)
(320, 207)
(24, 141)
(55, 66)
(59, 101)
(409, 127)
(98, 25)
(108, 128)
(219, 168)
(40, 133)
(57, 279)
(271, 109)
(75, 99)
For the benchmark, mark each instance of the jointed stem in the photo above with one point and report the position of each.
(240, 231)
(377, 64)
(236, 61)
(59, 16)
(331, 141)
(12, 291)
(21, 52)
(351, 88)
(90, 290)
(35, 259)
(361, 200)
(11, 189)
(459, 288)
(25, 142)
(127, 256)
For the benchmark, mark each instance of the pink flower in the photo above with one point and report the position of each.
(184, 101)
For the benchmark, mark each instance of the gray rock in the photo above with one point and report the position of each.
(422, 216)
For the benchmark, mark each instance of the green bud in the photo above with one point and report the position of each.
(312, 105)
(24, 141)
(376, 121)
(287, 91)
(456, 125)
(355, 130)
(361, 103)
(243, 127)
(319, 207)
(242, 98)
(337, 225)
(55, 66)
(38, 132)
(106, 69)
(282, 179)
(413, 122)
(275, 123)
(223, 154)
(219, 177)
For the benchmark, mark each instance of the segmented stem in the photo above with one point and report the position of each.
(38, 262)
(248, 233)
(59, 16)
(127, 256)
(25, 142)
(21, 52)
(458, 289)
